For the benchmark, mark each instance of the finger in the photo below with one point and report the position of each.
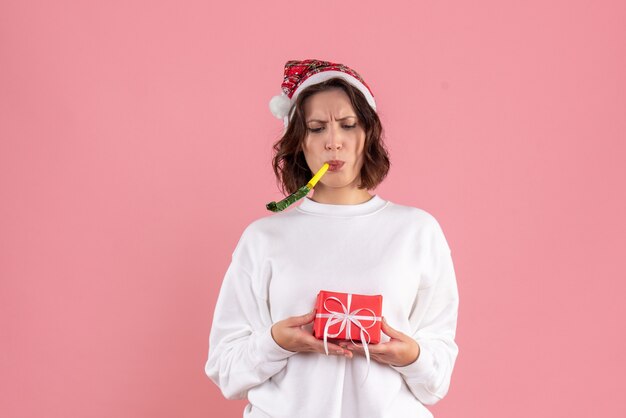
(318, 345)
(392, 332)
(295, 321)
(372, 348)
(374, 355)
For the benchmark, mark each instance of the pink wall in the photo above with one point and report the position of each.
(129, 129)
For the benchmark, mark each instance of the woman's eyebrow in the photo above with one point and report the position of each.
(324, 121)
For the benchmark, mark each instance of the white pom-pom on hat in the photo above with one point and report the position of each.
(280, 105)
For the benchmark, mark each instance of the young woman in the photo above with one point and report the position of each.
(341, 239)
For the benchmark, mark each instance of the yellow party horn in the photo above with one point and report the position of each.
(298, 194)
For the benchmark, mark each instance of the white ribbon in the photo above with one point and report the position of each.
(345, 318)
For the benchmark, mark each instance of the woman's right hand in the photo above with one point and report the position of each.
(289, 334)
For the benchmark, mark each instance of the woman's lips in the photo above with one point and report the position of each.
(335, 165)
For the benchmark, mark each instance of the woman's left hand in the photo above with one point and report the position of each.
(400, 351)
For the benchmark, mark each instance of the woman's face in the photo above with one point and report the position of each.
(333, 133)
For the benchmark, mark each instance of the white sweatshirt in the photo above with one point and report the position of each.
(280, 264)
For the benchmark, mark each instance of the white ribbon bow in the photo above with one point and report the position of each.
(345, 318)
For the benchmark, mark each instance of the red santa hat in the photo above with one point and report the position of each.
(301, 74)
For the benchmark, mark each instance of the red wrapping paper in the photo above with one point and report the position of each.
(359, 306)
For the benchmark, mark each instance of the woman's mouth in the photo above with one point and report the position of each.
(335, 165)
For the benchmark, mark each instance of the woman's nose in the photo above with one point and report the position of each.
(334, 141)
(333, 145)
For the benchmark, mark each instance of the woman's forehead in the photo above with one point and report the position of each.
(320, 106)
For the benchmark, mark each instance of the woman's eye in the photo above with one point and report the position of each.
(316, 130)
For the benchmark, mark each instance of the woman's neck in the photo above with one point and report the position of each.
(340, 196)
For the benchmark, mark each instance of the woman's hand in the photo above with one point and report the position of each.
(401, 350)
(289, 334)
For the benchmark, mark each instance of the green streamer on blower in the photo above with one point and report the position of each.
(298, 194)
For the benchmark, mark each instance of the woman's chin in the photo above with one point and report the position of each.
(338, 184)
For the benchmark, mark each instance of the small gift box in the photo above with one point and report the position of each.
(348, 316)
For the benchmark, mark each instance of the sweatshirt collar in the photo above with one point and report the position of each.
(374, 204)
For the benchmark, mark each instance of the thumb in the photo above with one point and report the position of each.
(302, 319)
(393, 333)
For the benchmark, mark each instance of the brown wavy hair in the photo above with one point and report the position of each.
(289, 164)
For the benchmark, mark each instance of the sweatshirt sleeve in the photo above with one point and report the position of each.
(242, 351)
(433, 325)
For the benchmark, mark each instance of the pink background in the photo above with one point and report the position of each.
(135, 146)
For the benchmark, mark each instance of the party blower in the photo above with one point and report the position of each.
(298, 194)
